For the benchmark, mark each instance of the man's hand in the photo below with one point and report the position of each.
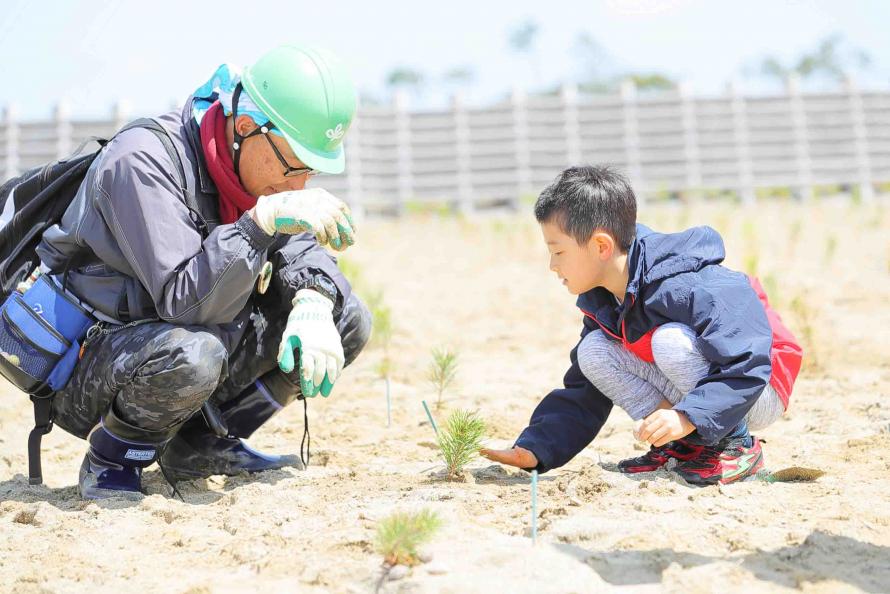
(663, 426)
(310, 328)
(516, 456)
(314, 211)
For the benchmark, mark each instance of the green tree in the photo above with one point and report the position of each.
(830, 59)
(407, 78)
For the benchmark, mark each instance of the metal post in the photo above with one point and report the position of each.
(860, 139)
(799, 131)
(11, 141)
(405, 182)
(632, 139)
(465, 203)
(352, 146)
(569, 95)
(521, 146)
(62, 118)
(691, 153)
(742, 145)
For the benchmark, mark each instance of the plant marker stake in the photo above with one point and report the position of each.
(534, 506)
(388, 405)
(429, 415)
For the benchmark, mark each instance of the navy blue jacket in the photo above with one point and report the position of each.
(674, 277)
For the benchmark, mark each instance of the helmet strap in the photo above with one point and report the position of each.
(238, 138)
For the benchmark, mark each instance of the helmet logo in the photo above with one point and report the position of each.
(335, 133)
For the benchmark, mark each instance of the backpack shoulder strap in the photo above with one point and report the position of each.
(167, 142)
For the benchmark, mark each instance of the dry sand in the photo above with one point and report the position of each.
(482, 286)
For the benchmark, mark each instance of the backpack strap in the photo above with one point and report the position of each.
(167, 142)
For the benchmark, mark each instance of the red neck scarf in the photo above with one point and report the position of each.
(233, 198)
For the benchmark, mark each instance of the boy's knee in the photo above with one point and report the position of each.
(672, 342)
(595, 353)
(354, 325)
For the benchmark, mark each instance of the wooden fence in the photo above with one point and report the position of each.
(670, 144)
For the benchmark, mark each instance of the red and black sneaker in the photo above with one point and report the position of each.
(727, 462)
(657, 457)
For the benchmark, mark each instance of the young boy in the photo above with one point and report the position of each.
(688, 348)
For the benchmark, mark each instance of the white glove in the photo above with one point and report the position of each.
(310, 328)
(314, 211)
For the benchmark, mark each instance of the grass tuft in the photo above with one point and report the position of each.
(400, 534)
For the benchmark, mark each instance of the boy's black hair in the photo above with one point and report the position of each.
(590, 197)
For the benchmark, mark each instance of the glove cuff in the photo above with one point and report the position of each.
(264, 215)
(314, 297)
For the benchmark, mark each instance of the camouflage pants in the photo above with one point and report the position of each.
(156, 375)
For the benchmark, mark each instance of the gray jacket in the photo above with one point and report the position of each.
(134, 250)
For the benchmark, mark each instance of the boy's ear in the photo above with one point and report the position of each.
(602, 245)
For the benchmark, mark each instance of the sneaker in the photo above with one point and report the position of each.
(657, 457)
(727, 462)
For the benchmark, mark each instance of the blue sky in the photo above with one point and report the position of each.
(93, 52)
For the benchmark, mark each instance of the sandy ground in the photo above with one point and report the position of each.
(481, 286)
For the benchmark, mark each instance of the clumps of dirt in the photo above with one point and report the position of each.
(586, 484)
(497, 474)
(27, 516)
(873, 448)
(445, 476)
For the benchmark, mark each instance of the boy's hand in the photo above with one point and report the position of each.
(516, 456)
(663, 426)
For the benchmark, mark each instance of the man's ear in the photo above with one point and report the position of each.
(245, 125)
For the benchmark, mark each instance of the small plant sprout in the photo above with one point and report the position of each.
(771, 286)
(351, 271)
(460, 440)
(806, 317)
(752, 261)
(400, 534)
(443, 371)
(382, 336)
(830, 247)
(794, 232)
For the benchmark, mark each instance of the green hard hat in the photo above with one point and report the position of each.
(308, 94)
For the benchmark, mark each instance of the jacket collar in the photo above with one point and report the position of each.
(193, 137)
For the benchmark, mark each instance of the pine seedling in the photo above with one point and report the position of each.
(794, 233)
(805, 317)
(752, 261)
(351, 271)
(461, 440)
(442, 372)
(830, 247)
(382, 336)
(771, 286)
(400, 534)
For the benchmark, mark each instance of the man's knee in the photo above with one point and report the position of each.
(179, 369)
(354, 325)
(187, 356)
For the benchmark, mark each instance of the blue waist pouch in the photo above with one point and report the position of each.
(40, 335)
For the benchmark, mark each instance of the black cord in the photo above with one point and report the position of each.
(307, 439)
(170, 482)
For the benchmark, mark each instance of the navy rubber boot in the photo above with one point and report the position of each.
(198, 452)
(118, 453)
